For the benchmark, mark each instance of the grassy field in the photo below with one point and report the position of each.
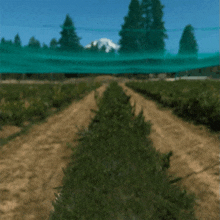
(116, 173)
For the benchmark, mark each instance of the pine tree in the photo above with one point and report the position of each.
(44, 46)
(9, 42)
(112, 51)
(103, 49)
(152, 40)
(3, 41)
(146, 23)
(69, 41)
(157, 28)
(6, 42)
(7, 45)
(94, 48)
(33, 43)
(53, 43)
(188, 44)
(129, 41)
(17, 41)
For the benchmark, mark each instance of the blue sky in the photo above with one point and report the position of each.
(42, 19)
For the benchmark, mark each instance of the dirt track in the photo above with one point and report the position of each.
(196, 153)
(31, 165)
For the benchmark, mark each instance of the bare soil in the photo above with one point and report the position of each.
(31, 164)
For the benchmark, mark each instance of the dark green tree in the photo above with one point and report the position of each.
(157, 28)
(146, 23)
(188, 44)
(69, 40)
(112, 51)
(94, 48)
(44, 46)
(9, 42)
(6, 42)
(53, 43)
(7, 45)
(33, 43)
(3, 41)
(129, 42)
(152, 39)
(103, 49)
(17, 41)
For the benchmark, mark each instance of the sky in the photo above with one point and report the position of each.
(95, 19)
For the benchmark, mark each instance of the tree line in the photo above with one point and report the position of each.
(143, 31)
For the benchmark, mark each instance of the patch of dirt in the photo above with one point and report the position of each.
(31, 164)
(195, 153)
(8, 130)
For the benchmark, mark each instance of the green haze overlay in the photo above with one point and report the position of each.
(34, 60)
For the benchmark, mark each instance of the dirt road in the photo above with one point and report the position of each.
(31, 165)
(195, 153)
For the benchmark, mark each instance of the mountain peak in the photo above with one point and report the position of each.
(104, 41)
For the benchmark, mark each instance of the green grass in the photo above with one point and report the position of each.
(116, 173)
(197, 102)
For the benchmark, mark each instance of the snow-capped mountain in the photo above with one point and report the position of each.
(104, 41)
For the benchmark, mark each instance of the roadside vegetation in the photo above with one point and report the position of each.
(116, 173)
(196, 101)
(34, 103)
